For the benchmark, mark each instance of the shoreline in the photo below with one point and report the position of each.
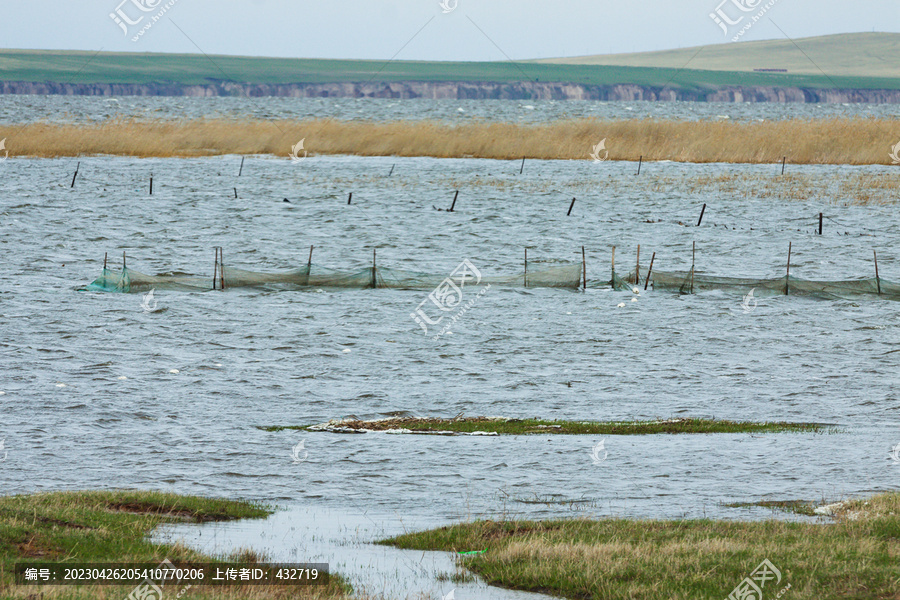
(839, 141)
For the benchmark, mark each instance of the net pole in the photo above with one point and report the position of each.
(222, 267)
(349, 198)
(76, 174)
(571, 206)
(522, 168)
(583, 268)
(787, 279)
(526, 267)
(453, 204)
(702, 211)
(649, 271)
(215, 266)
(613, 282)
(241, 170)
(123, 260)
(820, 223)
(106, 255)
(374, 282)
(309, 262)
(877, 279)
(637, 268)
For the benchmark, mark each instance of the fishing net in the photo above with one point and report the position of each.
(687, 282)
(560, 275)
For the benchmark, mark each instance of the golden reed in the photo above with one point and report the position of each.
(828, 141)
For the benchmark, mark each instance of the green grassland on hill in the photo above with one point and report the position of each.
(77, 67)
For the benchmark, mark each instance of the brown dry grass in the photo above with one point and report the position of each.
(831, 141)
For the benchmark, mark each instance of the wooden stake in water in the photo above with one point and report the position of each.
(640, 162)
(526, 267)
(637, 268)
(309, 262)
(787, 279)
(374, 280)
(522, 168)
(877, 278)
(783, 161)
(392, 170)
(222, 267)
(349, 198)
(820, 223)
(453, 204)
(570, 207)
(215, 266)
(693, 262)
(235, 193)
(106, 255)
(583, 269)
(649, 271)
(123, 261)
(242, 167)
(613, 267)
(702, 210)
(76, 174)
(151, 184)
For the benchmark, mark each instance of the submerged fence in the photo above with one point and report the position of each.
(535, 274)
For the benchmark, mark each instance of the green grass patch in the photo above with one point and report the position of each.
(854, 557)
(539, 426)
(80, 67)
(799, 507)
(113, 526)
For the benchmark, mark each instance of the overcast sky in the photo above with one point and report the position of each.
(420, 29)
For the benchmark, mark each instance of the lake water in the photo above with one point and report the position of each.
(255, 357)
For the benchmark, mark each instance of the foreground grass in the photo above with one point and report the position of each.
(828, 141)
(113, 527)
(538, 426)
(858, 556)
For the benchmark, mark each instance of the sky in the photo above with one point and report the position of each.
(469, 30)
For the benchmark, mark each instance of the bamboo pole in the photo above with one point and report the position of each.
(783, 161)
(877, 278)
(522, 168)
(702, 210)
(637, 268)
(820, 223)
(106, 255)
(613, 282)
(151, 184)
(649, 271)
(526, 267)
(309, 262)
(349, 198)
(374, 280)
(787, 279)
(215, 266)
(640, 162)
(242, 167)
(453, 205)
(392, 170)
(123, 260)
(76, 174)
(571, 206)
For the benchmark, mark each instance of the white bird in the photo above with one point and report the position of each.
(621, 305)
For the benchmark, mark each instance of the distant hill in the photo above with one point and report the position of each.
(850, 54)
(857, 68)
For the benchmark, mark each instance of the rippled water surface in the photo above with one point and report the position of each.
(86, 109)
(172, 399)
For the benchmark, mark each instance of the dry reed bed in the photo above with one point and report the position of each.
(830, 141)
